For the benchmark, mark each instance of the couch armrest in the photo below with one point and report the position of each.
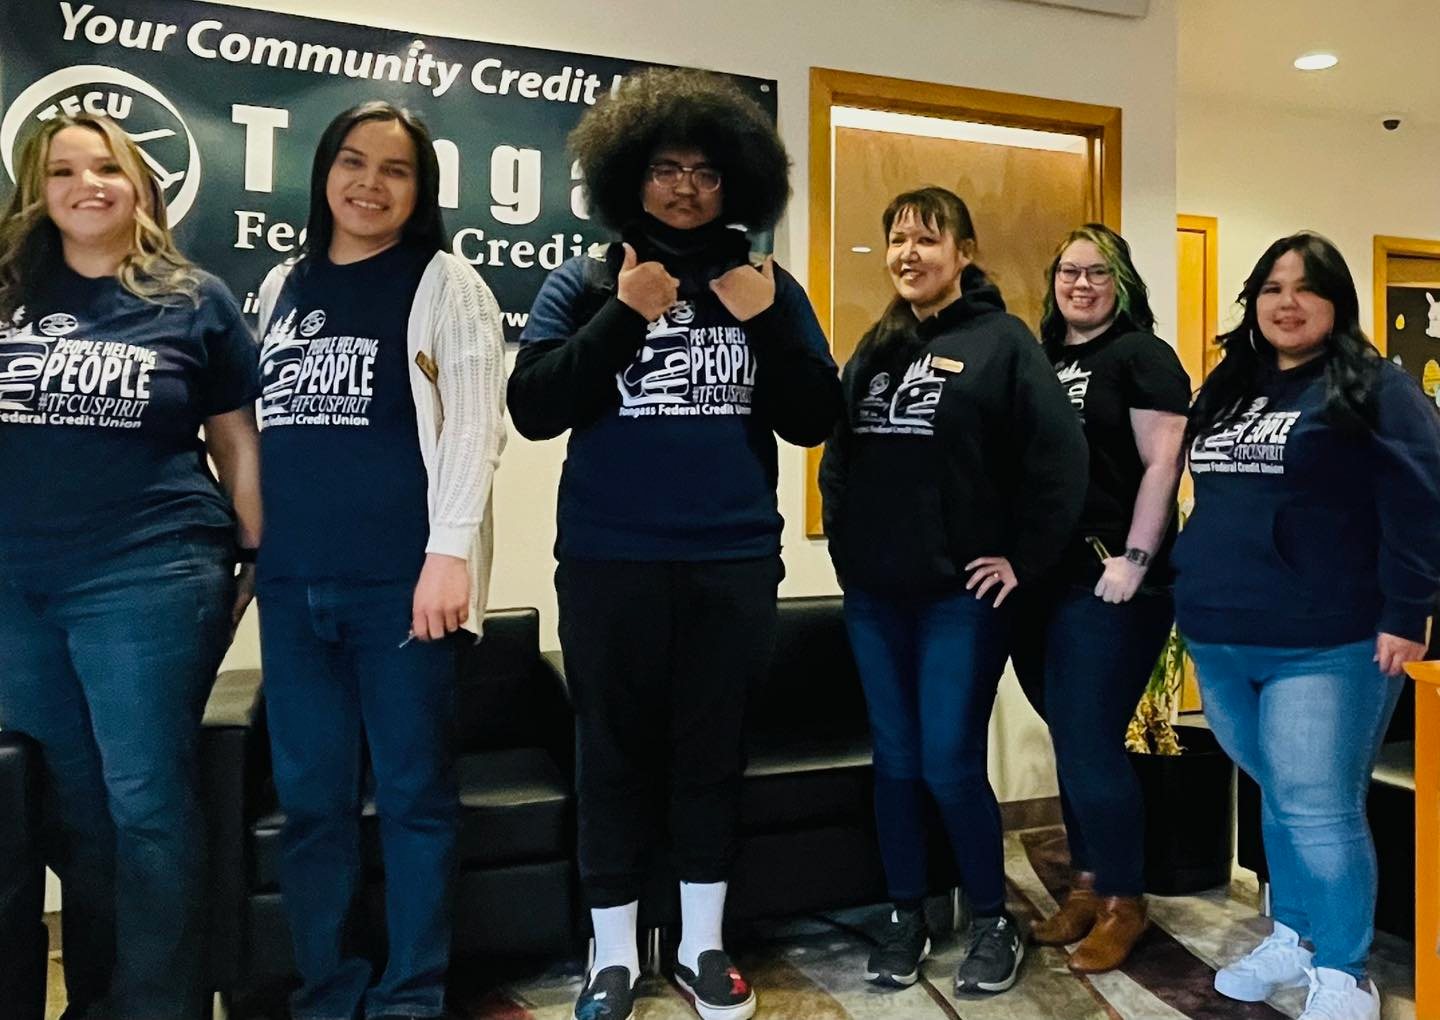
(234, 765)
(23, 939)
(553, 662)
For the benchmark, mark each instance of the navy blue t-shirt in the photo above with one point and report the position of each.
(102, 395)
(341, 471)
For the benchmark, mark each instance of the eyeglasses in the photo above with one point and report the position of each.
(667, 175)
(1099, 275)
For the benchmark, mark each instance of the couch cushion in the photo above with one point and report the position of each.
(514, 807)
(812, 687)
(1395, 765)
(807, 782)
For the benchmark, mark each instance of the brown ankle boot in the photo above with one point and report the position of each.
(1119, 923)
(1075, 916)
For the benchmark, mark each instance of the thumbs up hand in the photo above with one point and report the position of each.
(646, 286)
(744, 292)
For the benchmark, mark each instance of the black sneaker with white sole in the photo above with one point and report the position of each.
(993, 962)
(904, 945)
(718, 991)
(608, 995)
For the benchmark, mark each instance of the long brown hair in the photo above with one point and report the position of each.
(153, 270)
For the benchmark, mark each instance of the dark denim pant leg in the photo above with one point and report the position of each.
(1099, 657)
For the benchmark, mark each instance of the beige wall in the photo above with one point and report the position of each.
(1267, 173)
(984, 43)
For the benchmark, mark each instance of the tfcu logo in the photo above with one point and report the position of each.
(22, 364)
(148, 117)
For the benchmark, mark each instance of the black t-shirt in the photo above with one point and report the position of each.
(1121, 370)
(102, 395)
(344, 482)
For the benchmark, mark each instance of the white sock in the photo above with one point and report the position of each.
(702, 913)
(615, 939)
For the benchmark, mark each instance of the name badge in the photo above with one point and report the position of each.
(947, 365)
(428, 366)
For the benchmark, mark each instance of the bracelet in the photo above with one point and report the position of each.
(244, 555)
(1139, 557)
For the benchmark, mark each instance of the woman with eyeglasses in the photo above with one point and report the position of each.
(1090, 631)
(1306, 578)
(674, 362)
(954, 479)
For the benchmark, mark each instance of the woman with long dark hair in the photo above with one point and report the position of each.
(118, 550)
(1090, 632)
(381, 426)
(1306, 577)
(956, 475)
(674, 362)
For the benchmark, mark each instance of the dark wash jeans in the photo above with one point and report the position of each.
(930, 667)
(108, 667)
(335, 677)
(1083, 663)
(660, 658)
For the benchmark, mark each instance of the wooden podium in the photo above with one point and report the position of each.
(1427, 836)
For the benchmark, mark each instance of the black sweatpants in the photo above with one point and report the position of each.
(660, 658)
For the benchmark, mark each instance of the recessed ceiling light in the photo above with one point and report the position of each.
(1316, 61)
(862, 249)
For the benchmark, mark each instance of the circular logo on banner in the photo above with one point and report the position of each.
(310, 325)
(147, 116)
(58, 324)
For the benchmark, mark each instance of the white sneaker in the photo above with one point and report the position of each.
(1334, 995)
(1278, 962)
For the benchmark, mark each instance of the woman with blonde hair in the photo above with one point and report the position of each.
(118, 549)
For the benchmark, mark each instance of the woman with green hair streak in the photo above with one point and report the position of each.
(1091, 631)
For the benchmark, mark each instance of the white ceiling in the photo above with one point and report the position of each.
(1240, 52)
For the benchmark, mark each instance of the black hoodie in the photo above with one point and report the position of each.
(957, 442)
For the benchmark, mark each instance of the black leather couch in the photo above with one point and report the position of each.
(1390, 807)
(23, 939)
(515, 737)
(808, 840)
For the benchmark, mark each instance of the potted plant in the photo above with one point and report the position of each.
(1188, 785)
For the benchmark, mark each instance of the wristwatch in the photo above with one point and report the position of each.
(1139, 557)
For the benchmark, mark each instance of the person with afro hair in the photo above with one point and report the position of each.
(674, 361)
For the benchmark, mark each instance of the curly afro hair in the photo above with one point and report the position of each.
(616, 139)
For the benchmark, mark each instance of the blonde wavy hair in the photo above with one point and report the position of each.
(153, 270)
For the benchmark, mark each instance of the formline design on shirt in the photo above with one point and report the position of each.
(910, 411)
(1076, 382)
(315, 380)
(72, 381)
(1255, 444)
(685, 370)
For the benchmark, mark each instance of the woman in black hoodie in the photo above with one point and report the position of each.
(957, 473)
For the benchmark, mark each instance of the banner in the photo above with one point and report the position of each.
(227, 105)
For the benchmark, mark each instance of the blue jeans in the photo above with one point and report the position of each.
(334, 677)
(1306, 724)
(930, 668)
(108, 667)
(1083, 663)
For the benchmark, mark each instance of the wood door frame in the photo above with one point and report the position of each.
(829, 88)
(1209, 227)
(1385, 246)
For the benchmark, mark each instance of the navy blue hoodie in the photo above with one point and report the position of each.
(672, 423)
(1306, 535)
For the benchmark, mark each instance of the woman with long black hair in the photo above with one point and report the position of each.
(1306, 577)
(956, 475)
(381, 427)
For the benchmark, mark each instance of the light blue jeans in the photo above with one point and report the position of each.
(1305, 724)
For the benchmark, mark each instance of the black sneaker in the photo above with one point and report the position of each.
(608, 995)
(993, 961)
(719, 991)
(904, 945)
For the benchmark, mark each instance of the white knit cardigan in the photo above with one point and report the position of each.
(455, 324)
